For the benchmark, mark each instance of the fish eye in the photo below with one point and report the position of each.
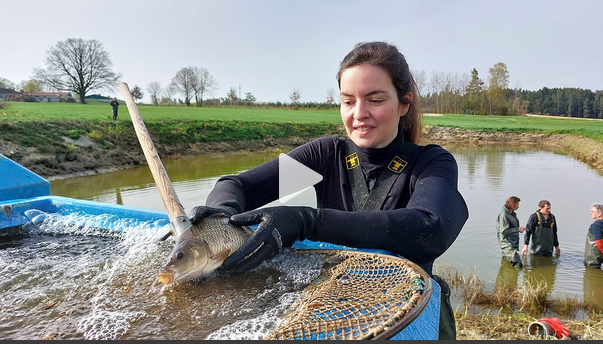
(180, 255)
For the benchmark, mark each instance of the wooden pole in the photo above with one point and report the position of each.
(174, 208)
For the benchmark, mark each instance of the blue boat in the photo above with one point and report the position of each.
(25, 195)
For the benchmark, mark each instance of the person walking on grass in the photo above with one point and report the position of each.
(114, 105)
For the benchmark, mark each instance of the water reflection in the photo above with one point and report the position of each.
(192, 179)
(593, 293)
(540, 271)
(487, 176)
(508, 275)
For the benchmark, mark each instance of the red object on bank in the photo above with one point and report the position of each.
(560, 330)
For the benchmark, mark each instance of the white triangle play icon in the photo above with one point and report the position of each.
(294, 177)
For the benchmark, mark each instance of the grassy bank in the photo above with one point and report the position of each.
(59, 139)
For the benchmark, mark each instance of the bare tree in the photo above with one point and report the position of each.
(232, 95)
(78, 66)
(420, 78)
(154, 88)
(331, 96)
(203, 83)
(170, 90)
(436, 84)
(295, 96)
(184, 83)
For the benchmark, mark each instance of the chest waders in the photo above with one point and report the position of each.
(592, 256)
(509, 243)
(366, 200)
(373, 200)
(543, 238)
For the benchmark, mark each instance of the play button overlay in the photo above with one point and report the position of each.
(294, 177)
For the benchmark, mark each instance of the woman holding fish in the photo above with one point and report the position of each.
(380, 189)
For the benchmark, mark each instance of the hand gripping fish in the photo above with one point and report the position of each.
(202, 248)
(199, 249)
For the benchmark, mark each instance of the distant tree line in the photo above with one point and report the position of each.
(80, 66)
(470, 95)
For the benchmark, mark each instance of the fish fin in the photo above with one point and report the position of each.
(221, 255)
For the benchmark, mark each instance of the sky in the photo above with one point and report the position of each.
(270, 48)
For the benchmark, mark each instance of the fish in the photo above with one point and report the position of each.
(202, 248)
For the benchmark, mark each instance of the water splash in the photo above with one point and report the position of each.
(70, 278)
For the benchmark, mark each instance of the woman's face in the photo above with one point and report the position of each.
(370, 109)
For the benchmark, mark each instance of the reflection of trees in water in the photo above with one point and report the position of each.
(184, 169)
(489, 156)
(593, 288)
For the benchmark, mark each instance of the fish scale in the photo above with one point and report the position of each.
(202, 248)
(219, 234)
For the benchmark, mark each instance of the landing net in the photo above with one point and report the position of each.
(364, 296)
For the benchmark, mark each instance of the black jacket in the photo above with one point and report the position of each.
(422, 215)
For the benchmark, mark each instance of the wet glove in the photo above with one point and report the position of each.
(278, 227)
(200, 212)
(557, 326)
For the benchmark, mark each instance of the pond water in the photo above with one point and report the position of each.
(488, 175)
(61, 285)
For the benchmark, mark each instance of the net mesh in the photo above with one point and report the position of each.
(362, 296)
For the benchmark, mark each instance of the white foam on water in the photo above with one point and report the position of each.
(107, 314)
(107, 325)
(112, 315)
(295, 268)
(76, 286)
(300, 268)
(259, 327)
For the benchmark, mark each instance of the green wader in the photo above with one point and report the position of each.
(508, 236)
(592, 256)
(543, 238)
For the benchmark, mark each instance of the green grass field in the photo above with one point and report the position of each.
(19, 111)
(584, 127)
(33, 112)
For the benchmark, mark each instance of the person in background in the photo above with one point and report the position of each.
(593, 250)
(542, 229)
(380, 189)
(508, 229)
(114, 105)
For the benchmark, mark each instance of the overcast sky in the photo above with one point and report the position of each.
(271, 47)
